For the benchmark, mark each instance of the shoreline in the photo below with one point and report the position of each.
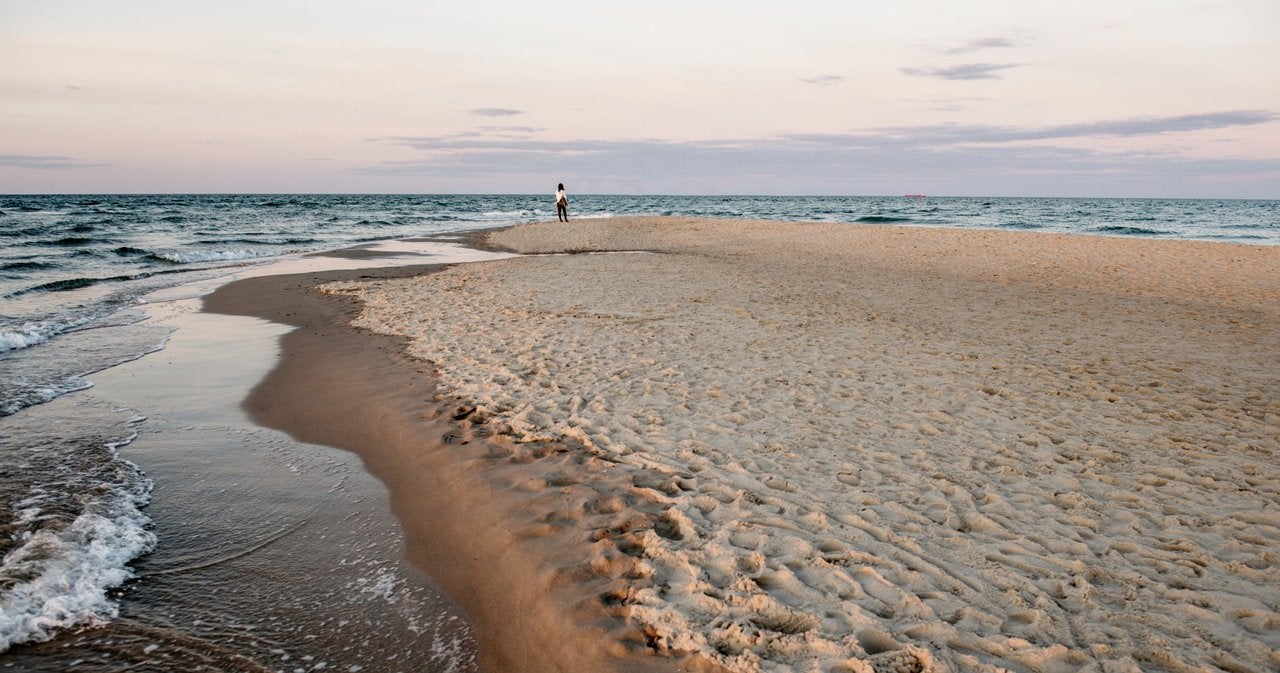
(1092, 398)
(271, 553)
(450, 487)
(607, 532)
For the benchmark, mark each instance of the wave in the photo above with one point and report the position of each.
(32, 333)
(60, 285)
(1129, 231)
(1236, 237)
(505, 213)
(67, 284)
(258, 241)
(24, 233)
(17, 399)
(27, 266)
(1021, 225)
(61, 578)
(59, 365)
(207, 256)
(881, 219)
(1248, 225)
(70, 241)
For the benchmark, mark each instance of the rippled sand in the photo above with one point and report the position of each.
(837, 447)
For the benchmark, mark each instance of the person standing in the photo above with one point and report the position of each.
(562, 204)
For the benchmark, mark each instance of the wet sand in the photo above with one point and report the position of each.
(278, 552)
(462, 504)
(812, 447)
(272, 555)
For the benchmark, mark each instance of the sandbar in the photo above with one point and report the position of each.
(833, 447)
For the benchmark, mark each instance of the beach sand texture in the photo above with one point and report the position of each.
(853, 448)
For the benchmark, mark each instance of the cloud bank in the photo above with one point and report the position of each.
(43, 162)
(970, 134)
(942, 159)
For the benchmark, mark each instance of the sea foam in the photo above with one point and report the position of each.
(31, 333)
(196, 257)
(60, 578)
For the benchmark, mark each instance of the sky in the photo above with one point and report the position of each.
(1115, 98)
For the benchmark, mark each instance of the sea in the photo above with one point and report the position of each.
(78, 279)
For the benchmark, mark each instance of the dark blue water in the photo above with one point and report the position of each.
(74, 271)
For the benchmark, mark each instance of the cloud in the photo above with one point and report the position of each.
(512, 129)
(895, 138)
(495, 112)
(955, 159)
(978, 45)
(1139, 126)
(948, 134)
(476, 144)
(823, 80)
(43, 162)
(965, 71)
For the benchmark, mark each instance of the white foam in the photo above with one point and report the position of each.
(384, 586)
(61, 577)
(212, 256)
(508, 214)
(42, 394)
(19, 397)
(451, 648)
(37, 332)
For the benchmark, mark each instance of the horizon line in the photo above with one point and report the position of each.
(911, 195)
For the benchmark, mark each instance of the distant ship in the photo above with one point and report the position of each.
(914, 196)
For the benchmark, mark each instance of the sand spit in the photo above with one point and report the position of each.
(842, 448)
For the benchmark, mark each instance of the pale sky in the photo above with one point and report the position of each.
(993, 98)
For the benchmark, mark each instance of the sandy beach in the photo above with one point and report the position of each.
(813, 447)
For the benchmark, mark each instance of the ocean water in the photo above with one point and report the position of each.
(75, 272)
